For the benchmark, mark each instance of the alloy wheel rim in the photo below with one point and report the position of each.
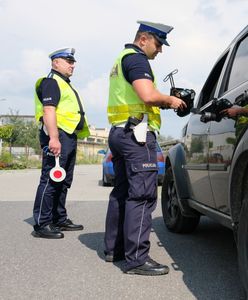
(172, 204)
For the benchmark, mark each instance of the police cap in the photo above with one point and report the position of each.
(159, 30)
(67, 53)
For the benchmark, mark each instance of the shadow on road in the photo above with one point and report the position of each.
(93, 241)
(207, 259)
(30, 221)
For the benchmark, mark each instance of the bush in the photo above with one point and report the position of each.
(88, 159)
(10, 162)
(30, 163)
(6, 158)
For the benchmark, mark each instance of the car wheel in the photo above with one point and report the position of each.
(243, 244)
(173, 218)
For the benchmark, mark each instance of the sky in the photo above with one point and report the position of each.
(98, 30)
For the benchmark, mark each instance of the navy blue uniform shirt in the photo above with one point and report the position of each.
(48, 91)
(136, 65)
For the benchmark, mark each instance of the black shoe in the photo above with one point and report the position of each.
(114, 258)
(149, 268)
(68, 226)
(47, 232)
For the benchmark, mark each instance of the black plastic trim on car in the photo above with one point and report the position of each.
(203, 167)
(196, 167)
(217, 167)
(212, 213)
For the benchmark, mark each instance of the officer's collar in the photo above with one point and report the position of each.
(135, 47)
(60, 75)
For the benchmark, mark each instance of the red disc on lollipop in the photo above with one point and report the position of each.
(57, 174)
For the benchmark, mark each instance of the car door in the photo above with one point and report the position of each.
(196, 146)
(224, 135)
(196, 140)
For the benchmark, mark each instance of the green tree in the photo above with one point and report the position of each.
(22, 134)
(231, 141)
(6, 133)
(28, 137)
(196, 146)
(16, 123)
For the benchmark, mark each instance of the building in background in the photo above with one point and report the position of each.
(97, 140)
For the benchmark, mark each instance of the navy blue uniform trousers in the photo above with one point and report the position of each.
(133, 198)
(49, 205)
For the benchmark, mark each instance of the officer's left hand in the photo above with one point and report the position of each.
(177, 103)
(55, 146)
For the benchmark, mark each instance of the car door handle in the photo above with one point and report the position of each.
(242, 99)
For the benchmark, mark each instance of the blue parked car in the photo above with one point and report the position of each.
(108, 173)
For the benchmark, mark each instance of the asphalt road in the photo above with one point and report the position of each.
(203, 265)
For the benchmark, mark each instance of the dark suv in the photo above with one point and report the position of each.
(207, 172)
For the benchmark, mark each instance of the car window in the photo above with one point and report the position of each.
(239, 70)
(208, 91)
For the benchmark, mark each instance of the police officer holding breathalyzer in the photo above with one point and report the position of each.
(134, 112)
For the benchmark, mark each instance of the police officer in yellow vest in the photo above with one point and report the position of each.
(60, 113)
(240, 115)
(134, 112)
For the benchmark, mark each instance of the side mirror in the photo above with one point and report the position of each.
(102, 152)
(195, 111)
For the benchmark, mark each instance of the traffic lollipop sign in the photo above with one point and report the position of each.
(57, 173)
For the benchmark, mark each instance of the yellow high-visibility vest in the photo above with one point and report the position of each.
(124, 102)
(67, 111)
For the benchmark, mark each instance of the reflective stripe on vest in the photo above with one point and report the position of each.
(67, 110)
(124, 101)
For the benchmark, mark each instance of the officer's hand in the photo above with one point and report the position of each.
(231, 112)
(177, 103)
(55, 146)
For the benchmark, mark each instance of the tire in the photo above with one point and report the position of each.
(173, 218)
(243, 244)
(104, 180)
